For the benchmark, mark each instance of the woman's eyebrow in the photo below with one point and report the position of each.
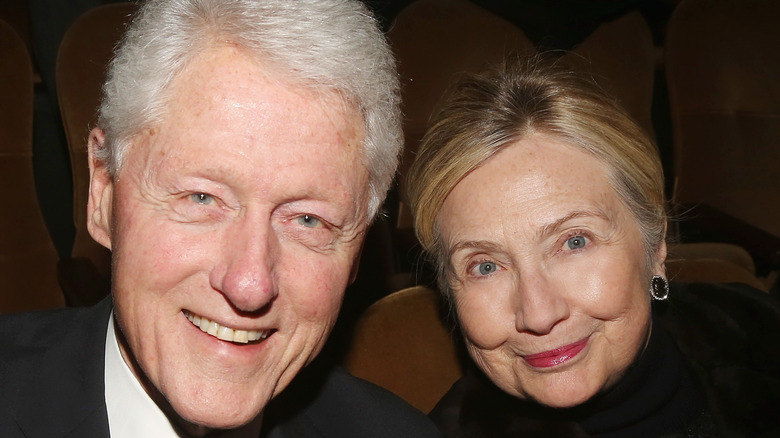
(543, 232)
(553, 227)
(482, 245)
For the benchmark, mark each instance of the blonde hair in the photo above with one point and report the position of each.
(484, 113)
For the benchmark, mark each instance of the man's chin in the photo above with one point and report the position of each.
(200, 424)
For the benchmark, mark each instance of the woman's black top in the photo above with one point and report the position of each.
(711, 368)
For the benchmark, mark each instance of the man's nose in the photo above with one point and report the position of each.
(541, 303)
(246, 272)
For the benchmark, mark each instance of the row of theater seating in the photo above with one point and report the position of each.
(719, 59)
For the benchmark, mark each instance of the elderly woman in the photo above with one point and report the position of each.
(541, 203)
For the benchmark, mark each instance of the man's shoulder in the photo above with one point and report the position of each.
(336, 404)
(46, 327)
(378, 408)
(52, 361)
(45, 341)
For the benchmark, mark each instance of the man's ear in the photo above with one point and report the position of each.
(101, 188)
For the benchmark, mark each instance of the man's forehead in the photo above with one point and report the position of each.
(206, 75)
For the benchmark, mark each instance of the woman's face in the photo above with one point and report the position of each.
(548, 272)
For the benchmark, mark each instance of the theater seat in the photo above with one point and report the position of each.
(28, 258)
(83, 56)
(401, 345)
(723, 73)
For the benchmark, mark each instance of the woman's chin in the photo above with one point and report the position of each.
(565, 398)
(563, 402)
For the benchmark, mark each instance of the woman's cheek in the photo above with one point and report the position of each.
(486, 320)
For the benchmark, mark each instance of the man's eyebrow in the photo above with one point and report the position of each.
(554, 226)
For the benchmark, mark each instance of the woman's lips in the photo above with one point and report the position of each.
(557, 356)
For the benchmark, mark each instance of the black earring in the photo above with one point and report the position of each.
(659, 288)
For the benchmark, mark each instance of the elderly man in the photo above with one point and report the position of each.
(243, 148)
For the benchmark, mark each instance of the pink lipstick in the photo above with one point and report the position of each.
(557, 356)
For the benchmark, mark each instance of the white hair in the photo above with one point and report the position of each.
(323, 45)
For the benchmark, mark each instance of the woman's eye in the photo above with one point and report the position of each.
(308, 221)
(201, 198)
(486, 268)
(576, 242)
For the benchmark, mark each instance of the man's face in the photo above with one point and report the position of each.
(241, 214)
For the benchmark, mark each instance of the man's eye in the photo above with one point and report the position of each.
(485, 268)
(577, 242)
(308, 221)
(201, 198)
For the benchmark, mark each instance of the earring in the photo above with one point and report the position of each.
(659, 288)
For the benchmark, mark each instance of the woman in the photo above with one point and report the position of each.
(541, 203)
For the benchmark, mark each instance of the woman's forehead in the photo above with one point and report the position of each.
(539, 182)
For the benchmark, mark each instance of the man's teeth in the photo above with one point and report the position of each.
(225, 333)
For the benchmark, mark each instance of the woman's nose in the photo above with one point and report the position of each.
(541, 303)
(246, 273)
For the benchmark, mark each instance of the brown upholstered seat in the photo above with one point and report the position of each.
(711, 270)
(401, 345)
(712, 262)
(435, 41)
(28, 259)
(16, 14)
(621, 56)
(83, 56)
(723, 71)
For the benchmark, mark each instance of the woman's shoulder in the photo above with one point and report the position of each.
(726, 296)
(733, 315)
(475, 408)
(730, 336)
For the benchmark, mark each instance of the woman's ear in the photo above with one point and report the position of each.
(659, 267)
(100, 191)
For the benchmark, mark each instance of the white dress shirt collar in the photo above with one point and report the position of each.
(131, 412)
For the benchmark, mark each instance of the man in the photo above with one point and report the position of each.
(243, 148)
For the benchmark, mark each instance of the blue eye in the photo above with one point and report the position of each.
(487, 268)
(201, 198)
(308, 221)
(576, 242)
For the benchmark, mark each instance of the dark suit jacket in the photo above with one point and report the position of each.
(51, 385)
(51, 373)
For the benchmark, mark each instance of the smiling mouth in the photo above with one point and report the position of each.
(225, 333)
(556, 356)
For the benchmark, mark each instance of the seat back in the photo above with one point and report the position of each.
(713, 250)
(401, 344)
(621, 56)
(711, 270)
(83, 56)
(28, 258)
(724, 90)
(435, 41)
